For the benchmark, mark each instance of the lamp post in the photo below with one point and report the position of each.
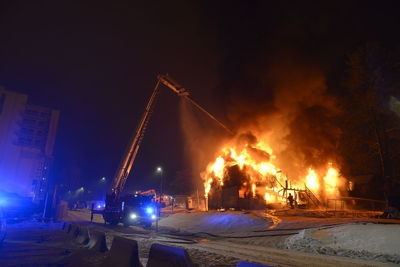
(159, 171)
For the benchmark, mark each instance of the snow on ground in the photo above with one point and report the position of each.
(214, 222)
(376, 242)
(347, 241)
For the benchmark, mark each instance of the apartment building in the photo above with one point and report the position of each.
(27, 136)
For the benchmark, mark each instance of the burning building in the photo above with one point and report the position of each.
(285, 143)
(246, 174)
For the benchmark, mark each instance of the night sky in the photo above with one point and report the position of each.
(97, 63)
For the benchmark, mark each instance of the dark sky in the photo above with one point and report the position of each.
(97, 62)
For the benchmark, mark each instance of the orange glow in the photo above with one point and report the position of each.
(331, 181)
(253, 189)
(312, 180)
(207, 186)
(267, 197)
(218, 169)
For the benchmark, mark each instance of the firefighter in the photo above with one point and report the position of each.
(291, 200)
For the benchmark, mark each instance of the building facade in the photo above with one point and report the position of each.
(27, 136)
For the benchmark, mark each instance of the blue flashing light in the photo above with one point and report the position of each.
(100, 204)
(149, 210)
(3, 202)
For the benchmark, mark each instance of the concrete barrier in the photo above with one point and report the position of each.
(97, 241)
(166, 256)
(74, 230)
(123, 253)
(61, 211)
(67, 227)
(250, 264)
(83, 236)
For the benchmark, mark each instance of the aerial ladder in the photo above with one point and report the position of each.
(115, 204)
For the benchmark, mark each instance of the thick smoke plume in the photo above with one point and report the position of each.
(297, 120)
(201, 138)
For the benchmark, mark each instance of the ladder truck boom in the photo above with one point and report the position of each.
(128, 160)
(114, 210)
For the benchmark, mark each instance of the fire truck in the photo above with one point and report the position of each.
(140, 208)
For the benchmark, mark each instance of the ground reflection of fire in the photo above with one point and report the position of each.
(260, 177)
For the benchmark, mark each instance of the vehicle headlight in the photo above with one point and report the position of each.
(149, 210)
(153, 217)
(133, 216)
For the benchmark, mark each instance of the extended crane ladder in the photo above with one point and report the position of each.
(126, 166)
(127, 162)
(312, 197)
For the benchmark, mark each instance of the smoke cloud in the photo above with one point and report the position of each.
(304, 130)
(200, 138)
(294, 115)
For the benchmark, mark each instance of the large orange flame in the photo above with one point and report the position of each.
(261, 175)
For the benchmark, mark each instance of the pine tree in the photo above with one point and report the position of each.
(370, 141)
